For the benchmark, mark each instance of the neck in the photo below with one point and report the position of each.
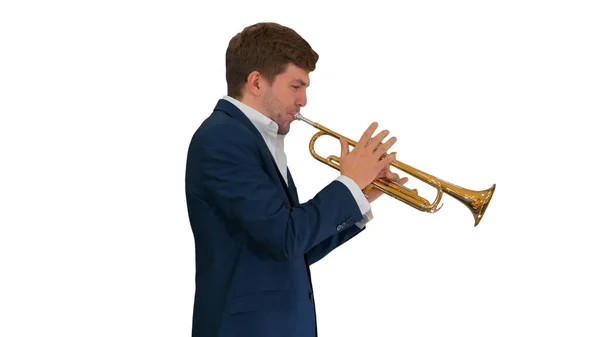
(252, 102)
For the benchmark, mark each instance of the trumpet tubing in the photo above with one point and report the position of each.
(476, 201)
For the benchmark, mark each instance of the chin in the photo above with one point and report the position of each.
(284, 130)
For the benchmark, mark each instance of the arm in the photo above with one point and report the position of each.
(333, 242)
(328, 245)
(231, 174)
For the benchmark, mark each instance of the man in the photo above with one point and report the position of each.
(254, 240)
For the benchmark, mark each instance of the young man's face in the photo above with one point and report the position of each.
(285, 97)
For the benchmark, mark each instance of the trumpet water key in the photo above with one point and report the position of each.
(476, 201)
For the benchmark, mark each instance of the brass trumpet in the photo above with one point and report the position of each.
(476, 201)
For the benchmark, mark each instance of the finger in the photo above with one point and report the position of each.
(389, 176)
(387, 160)
(344, 145)
(376, 141)
(367, 135)
(383, 148)
(400, 181)
(392, 176)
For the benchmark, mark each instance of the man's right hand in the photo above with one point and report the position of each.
(365, 161)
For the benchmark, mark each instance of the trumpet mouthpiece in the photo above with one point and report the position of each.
(299, 116)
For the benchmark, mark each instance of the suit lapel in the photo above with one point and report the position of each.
(235, 113)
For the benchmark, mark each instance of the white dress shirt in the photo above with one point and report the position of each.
(268, 129)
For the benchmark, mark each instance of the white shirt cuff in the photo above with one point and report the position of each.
(366, 218)
(361, 200)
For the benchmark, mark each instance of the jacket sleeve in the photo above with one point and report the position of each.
(328, 245)
(230, 173)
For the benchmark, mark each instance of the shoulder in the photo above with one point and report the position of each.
(220, 130)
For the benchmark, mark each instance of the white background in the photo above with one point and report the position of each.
(99, 100)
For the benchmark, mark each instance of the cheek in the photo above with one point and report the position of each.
(288, 100)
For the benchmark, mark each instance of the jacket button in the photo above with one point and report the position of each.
(339, 227)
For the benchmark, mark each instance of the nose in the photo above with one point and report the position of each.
(301, 100)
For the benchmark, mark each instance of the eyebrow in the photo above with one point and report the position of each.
(301, 82)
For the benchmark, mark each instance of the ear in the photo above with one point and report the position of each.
(253, 83)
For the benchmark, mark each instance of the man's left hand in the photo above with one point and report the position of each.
(385, 174)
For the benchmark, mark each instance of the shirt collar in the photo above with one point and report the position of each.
(263, 123)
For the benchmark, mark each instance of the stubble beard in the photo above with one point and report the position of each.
(276, 111)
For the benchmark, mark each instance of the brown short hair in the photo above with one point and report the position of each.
(268, 48)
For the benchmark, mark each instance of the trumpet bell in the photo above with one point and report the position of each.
(476, 201)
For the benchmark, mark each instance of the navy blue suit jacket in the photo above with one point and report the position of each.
(254, 240)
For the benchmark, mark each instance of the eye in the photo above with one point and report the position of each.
(296, 87)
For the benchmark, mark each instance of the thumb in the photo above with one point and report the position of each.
(344, 145)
